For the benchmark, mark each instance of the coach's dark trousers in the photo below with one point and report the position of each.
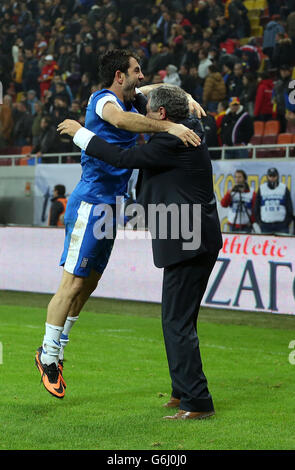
(184, 285)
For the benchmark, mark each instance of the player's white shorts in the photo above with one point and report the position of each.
(85, 246)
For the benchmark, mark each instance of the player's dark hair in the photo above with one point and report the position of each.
(111, 61)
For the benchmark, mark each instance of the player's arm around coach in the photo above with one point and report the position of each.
(159, 124)
(139, 123)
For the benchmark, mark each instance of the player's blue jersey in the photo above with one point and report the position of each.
(100, 182)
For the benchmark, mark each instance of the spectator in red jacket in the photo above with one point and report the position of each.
(47, 73)
(263, 104)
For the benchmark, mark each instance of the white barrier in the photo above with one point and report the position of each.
(47, 176)
(253, 272)
(252, 153)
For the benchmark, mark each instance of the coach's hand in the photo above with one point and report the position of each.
(69, 127)
(185, 134)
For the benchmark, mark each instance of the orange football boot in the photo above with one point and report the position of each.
(60, 367)
(50, 376)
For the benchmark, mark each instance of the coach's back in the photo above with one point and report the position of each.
(172, 174)
(187, 184)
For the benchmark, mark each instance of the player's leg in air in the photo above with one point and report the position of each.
(72, 291)
(84, 259)
(75, 309)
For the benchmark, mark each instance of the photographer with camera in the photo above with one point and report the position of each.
(240, 201)
(273, 206)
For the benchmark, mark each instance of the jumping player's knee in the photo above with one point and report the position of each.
(74, 287)
(77, 287)
(71, 286)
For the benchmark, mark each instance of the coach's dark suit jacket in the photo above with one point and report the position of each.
(172, 173)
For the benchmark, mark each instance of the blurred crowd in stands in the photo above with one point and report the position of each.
(238, 65)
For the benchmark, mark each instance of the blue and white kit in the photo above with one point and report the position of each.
(100, 184)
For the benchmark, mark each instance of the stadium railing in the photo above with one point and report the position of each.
(34, 159)
(275, 150)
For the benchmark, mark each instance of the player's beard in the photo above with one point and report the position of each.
(129, 90)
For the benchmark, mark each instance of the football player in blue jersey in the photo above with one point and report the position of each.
(111, 114)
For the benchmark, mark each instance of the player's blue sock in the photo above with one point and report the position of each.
(64, 338)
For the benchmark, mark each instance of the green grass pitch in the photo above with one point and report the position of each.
(117, 380)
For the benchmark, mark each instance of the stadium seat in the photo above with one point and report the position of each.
(26, 149)
(262, 65)
(244, 41)
(255, 140)
(272, 128)
(257, 31)
(253, 13)
(69, 159)
(267, 140)
(259, 128)
(10, 151)
(254, 22)
(283, 138)
(249, 4)
(260, 4)
(5, 162)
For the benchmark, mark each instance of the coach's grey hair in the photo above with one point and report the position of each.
(173, 99)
